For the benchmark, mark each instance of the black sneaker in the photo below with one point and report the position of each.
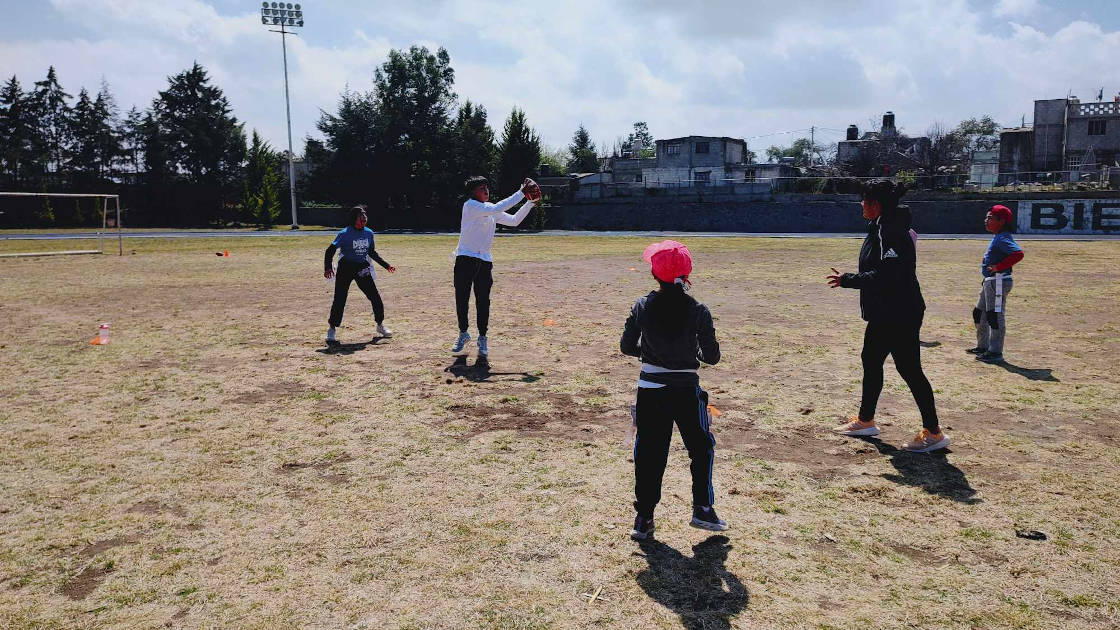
(643, 528)
(976, 350)
(990, 357)
(705, 518)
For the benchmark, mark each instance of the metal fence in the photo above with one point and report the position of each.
(1105, 179)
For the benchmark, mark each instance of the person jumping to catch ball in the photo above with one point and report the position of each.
(474, 266)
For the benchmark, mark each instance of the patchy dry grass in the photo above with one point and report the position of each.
(214, 466)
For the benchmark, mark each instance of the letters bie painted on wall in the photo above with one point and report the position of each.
(1069, 216)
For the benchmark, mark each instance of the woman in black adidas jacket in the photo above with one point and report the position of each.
(890, 300)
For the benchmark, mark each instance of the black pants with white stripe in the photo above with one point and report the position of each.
(658, 409)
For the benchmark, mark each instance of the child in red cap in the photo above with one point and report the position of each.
(672, 333)
(989, 314)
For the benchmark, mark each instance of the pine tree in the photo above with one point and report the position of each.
(474, 142)
(581, 151)
(202, 141)
(262, 194)
(642, 140)
(53, 113)
(519, 153)
(81, 150)
(130, 136)
(106, 137)
(17, 133)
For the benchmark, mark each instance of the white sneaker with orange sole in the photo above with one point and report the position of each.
(925, 442)
(856, 427)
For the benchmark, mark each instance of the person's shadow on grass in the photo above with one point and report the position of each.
(699, 589)
(931, 472)
(1032, 374)
(480, 371)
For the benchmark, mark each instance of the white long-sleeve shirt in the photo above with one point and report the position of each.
(476, 233)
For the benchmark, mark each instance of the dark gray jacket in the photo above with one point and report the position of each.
(681, 350)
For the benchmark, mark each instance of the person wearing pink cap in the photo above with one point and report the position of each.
(671, 333)
(989, 314)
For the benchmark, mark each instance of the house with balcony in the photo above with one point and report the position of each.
(1068, 141)
(697, 161)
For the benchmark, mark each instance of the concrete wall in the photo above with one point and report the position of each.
(1049, 133)
(940, 214)
(1078, 140)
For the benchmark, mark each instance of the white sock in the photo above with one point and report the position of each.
(330, 333)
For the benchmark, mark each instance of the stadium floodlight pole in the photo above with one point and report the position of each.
(285, 15)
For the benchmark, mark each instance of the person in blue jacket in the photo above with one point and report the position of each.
(989, 314)
(355, 247)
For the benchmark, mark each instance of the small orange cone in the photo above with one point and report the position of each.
(633, 269)
(714, 412)
(548, 322)
(227, 253)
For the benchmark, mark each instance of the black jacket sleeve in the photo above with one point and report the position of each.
(706, 332)
(328, 258)
(378, 259)
(631, 342)
(892, 269)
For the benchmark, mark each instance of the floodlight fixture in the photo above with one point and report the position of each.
(285, 14)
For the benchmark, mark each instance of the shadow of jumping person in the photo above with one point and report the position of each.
(931, 472)
(480, 371)
(348, 348)
(699, 589)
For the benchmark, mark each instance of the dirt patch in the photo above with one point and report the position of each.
(85, 582)
(152, 506)
(273, 393)
(917, 555)
(288, 467)
(101, 546)
(519, 418)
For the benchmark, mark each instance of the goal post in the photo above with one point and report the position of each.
(108, 205)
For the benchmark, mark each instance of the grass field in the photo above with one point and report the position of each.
(216, 466)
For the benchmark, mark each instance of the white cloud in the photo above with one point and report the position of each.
(1015, 8)
(722, 68)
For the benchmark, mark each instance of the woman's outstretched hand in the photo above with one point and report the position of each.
(834, 279)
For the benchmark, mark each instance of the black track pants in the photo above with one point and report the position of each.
(900, 340)
(657, 410)
(477, 273)
(348, 272)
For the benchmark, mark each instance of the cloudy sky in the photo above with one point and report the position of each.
(756, 69)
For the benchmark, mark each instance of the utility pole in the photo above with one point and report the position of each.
(285, 14)
(812, 142)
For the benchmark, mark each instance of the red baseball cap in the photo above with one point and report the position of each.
(669, 259)
(1003, 213)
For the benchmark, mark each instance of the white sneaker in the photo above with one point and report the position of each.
(856, 427)
(461, 343)
(330, 335)
(383, 331)
(483, 347)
